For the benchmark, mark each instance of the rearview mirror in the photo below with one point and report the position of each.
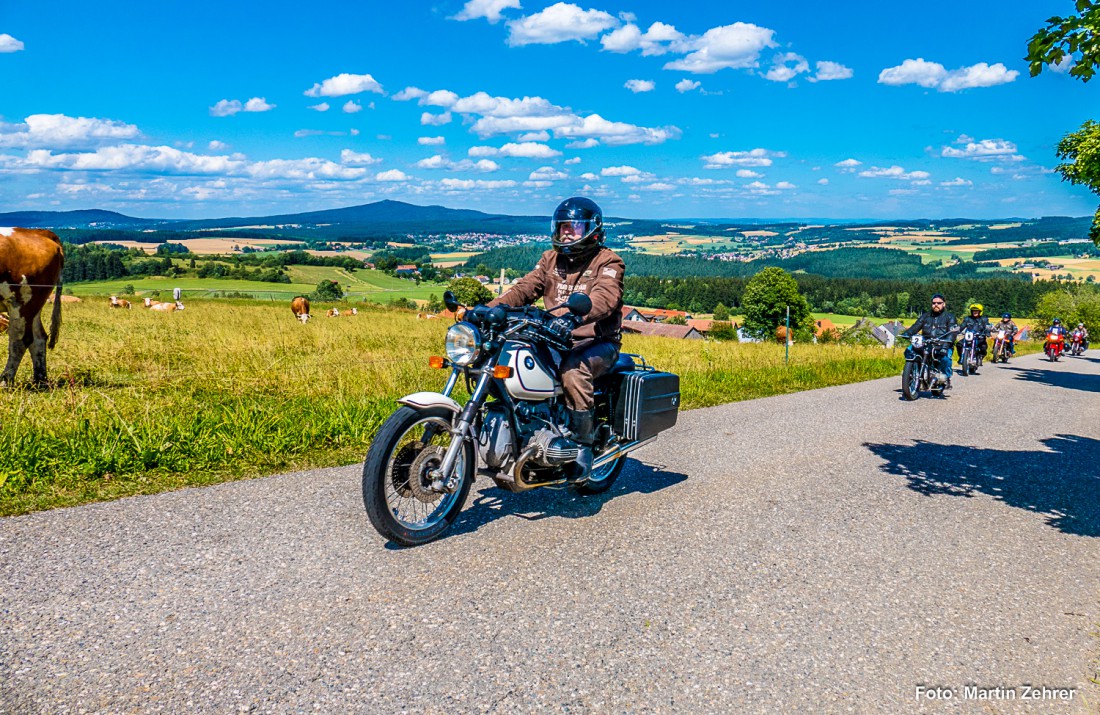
(579, 304)
(450, 301)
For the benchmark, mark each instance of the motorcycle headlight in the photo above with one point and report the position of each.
(463, 343)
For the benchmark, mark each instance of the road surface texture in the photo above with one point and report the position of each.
(833, 551)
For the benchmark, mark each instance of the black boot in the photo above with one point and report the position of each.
(583, 426)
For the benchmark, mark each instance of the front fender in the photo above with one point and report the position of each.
(423, 400)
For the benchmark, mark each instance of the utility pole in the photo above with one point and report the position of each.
(500, 290)
(787, 339)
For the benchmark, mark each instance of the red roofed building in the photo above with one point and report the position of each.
(631, 313)
(683, 332)
(660, 315)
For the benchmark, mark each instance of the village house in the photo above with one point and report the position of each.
(683, 332)
(406, 270)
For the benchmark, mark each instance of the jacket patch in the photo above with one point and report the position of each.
(610, 272)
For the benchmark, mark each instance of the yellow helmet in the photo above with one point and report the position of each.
(978, 307)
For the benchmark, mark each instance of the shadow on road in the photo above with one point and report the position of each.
(1059, 377)
(491, 503)
(1061, 484)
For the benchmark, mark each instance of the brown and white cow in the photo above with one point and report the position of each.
(117, 302)
(300, 307)
(30, 269)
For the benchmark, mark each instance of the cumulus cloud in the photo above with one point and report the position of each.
(574, 160)
(526, 150)
(344, 84)
(785, 185)
(640, 85)
(351, 158)
(615, 133)
(893, 172)
(561, 22)
(488, 9)
(542, 136)
(984, 150)
(659, 39)
(735, 46)
(786, 67)
(258, 104)
(468, 184)
(686, 85)
(728, 159)
(848, 165)
(229, 107)
(435, 120)
(586, 144)
(829, 71)
(823, 182)
(431, 141)
(410, 93)
(391, 175)
(547, 173)
(440, 162)
(620, 171)
(589, 176)
(658, 186)
(9, 43)
(322, 107)
(957, 181)
(61, 131)
(934, 75)
(216, 145)
(748, 174)
(351, 107)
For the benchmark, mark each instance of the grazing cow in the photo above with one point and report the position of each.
(300, 307)
(117, 302)
(164, 307)
(349, 313)
(30, 269)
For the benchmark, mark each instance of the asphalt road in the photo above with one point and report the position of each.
(829, 551)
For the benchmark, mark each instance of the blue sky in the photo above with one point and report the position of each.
(754, 109)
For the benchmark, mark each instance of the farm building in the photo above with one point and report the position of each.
(683, 332)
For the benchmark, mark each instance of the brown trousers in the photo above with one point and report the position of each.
(579, 370)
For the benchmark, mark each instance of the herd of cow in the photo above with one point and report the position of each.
(300, 307)
(151, 304)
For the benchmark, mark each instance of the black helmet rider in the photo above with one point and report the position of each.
(576, 229)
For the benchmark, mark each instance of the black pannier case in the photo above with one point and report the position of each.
(647, 404)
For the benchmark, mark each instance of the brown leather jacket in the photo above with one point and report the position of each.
(555, 278)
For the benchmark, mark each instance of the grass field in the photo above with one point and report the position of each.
(148, 402)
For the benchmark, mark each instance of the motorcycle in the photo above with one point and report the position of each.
(1001, 349)
(1054, 346)
(971, 359)
(921, 372)
(1077, 343)
(426, 456)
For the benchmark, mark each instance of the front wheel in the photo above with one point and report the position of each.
(396, 476)
(910, 381)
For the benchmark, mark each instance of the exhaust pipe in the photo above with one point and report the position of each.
(522, 485)
(620, 451)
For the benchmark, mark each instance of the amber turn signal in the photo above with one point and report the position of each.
(436, 362)
(502, 371)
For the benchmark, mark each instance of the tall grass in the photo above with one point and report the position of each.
(147, 402)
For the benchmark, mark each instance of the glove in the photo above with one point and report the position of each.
(562, 327)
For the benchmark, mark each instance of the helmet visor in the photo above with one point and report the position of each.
(569, 232)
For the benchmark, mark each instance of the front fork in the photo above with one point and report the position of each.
(444, 478)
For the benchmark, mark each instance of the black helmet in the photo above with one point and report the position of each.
(1006, 316)
(576, 230)
(1057, 321)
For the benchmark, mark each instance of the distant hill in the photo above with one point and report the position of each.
(88, 218)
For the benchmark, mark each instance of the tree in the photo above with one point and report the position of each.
(721, 312)
(767, 296)
(676, 320)
(1062, 40)
(328, 290)
(722, 331)
(469, 291)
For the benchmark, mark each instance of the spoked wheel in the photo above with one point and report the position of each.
(603, 477)
(964, 369)
(396, 476)
(910, 381)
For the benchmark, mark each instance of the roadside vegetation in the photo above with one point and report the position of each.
(225, 390)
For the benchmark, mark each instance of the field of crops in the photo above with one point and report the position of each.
(147, 402)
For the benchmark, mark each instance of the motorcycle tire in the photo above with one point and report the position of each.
(964, 369)
(598, 486)
(910, 381)
(376, 475)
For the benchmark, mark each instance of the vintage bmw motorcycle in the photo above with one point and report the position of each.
(921, 371)
(971, 359)
(425, 458)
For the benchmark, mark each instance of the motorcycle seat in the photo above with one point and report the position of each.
(625, 363)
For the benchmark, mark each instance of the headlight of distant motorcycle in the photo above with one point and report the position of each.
(463, 343)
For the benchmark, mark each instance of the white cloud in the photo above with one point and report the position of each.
(322, 107)
(410, 93)
(432, 162)
(561, 22)
(534, 137)
(468, 184)
(574, 160)
(786, 67)
(527, 150)
(893, 172)
(686, 85)
(657, 40)
(640, 85)
(229, 107)
(823, 182)
(589, 176)
(547, 173)
(258, 104)
(984, 150)
(216, 145)
(755, 157)
(9, 43)
(488, 9)
(344, 84)
(957, 181)
(733, 46)
(586, 144)
(748, 174)
(902, 192)
(435, 120)
(440, 162)
(616, 133)
(785, 185)
(351, 107)
(391, 175)
(658, 186)
(830, 70)
(620, 171)
(61, 131)
(351, 158)
(934, 75)
(848, 165)
(431, 141)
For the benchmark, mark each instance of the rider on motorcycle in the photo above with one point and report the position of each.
(578, 263)
(937, 323)
(1084, 336)
(1010, 329)
(980, 326)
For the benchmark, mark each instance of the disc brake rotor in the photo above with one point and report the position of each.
(400, 471)
(419, 482)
